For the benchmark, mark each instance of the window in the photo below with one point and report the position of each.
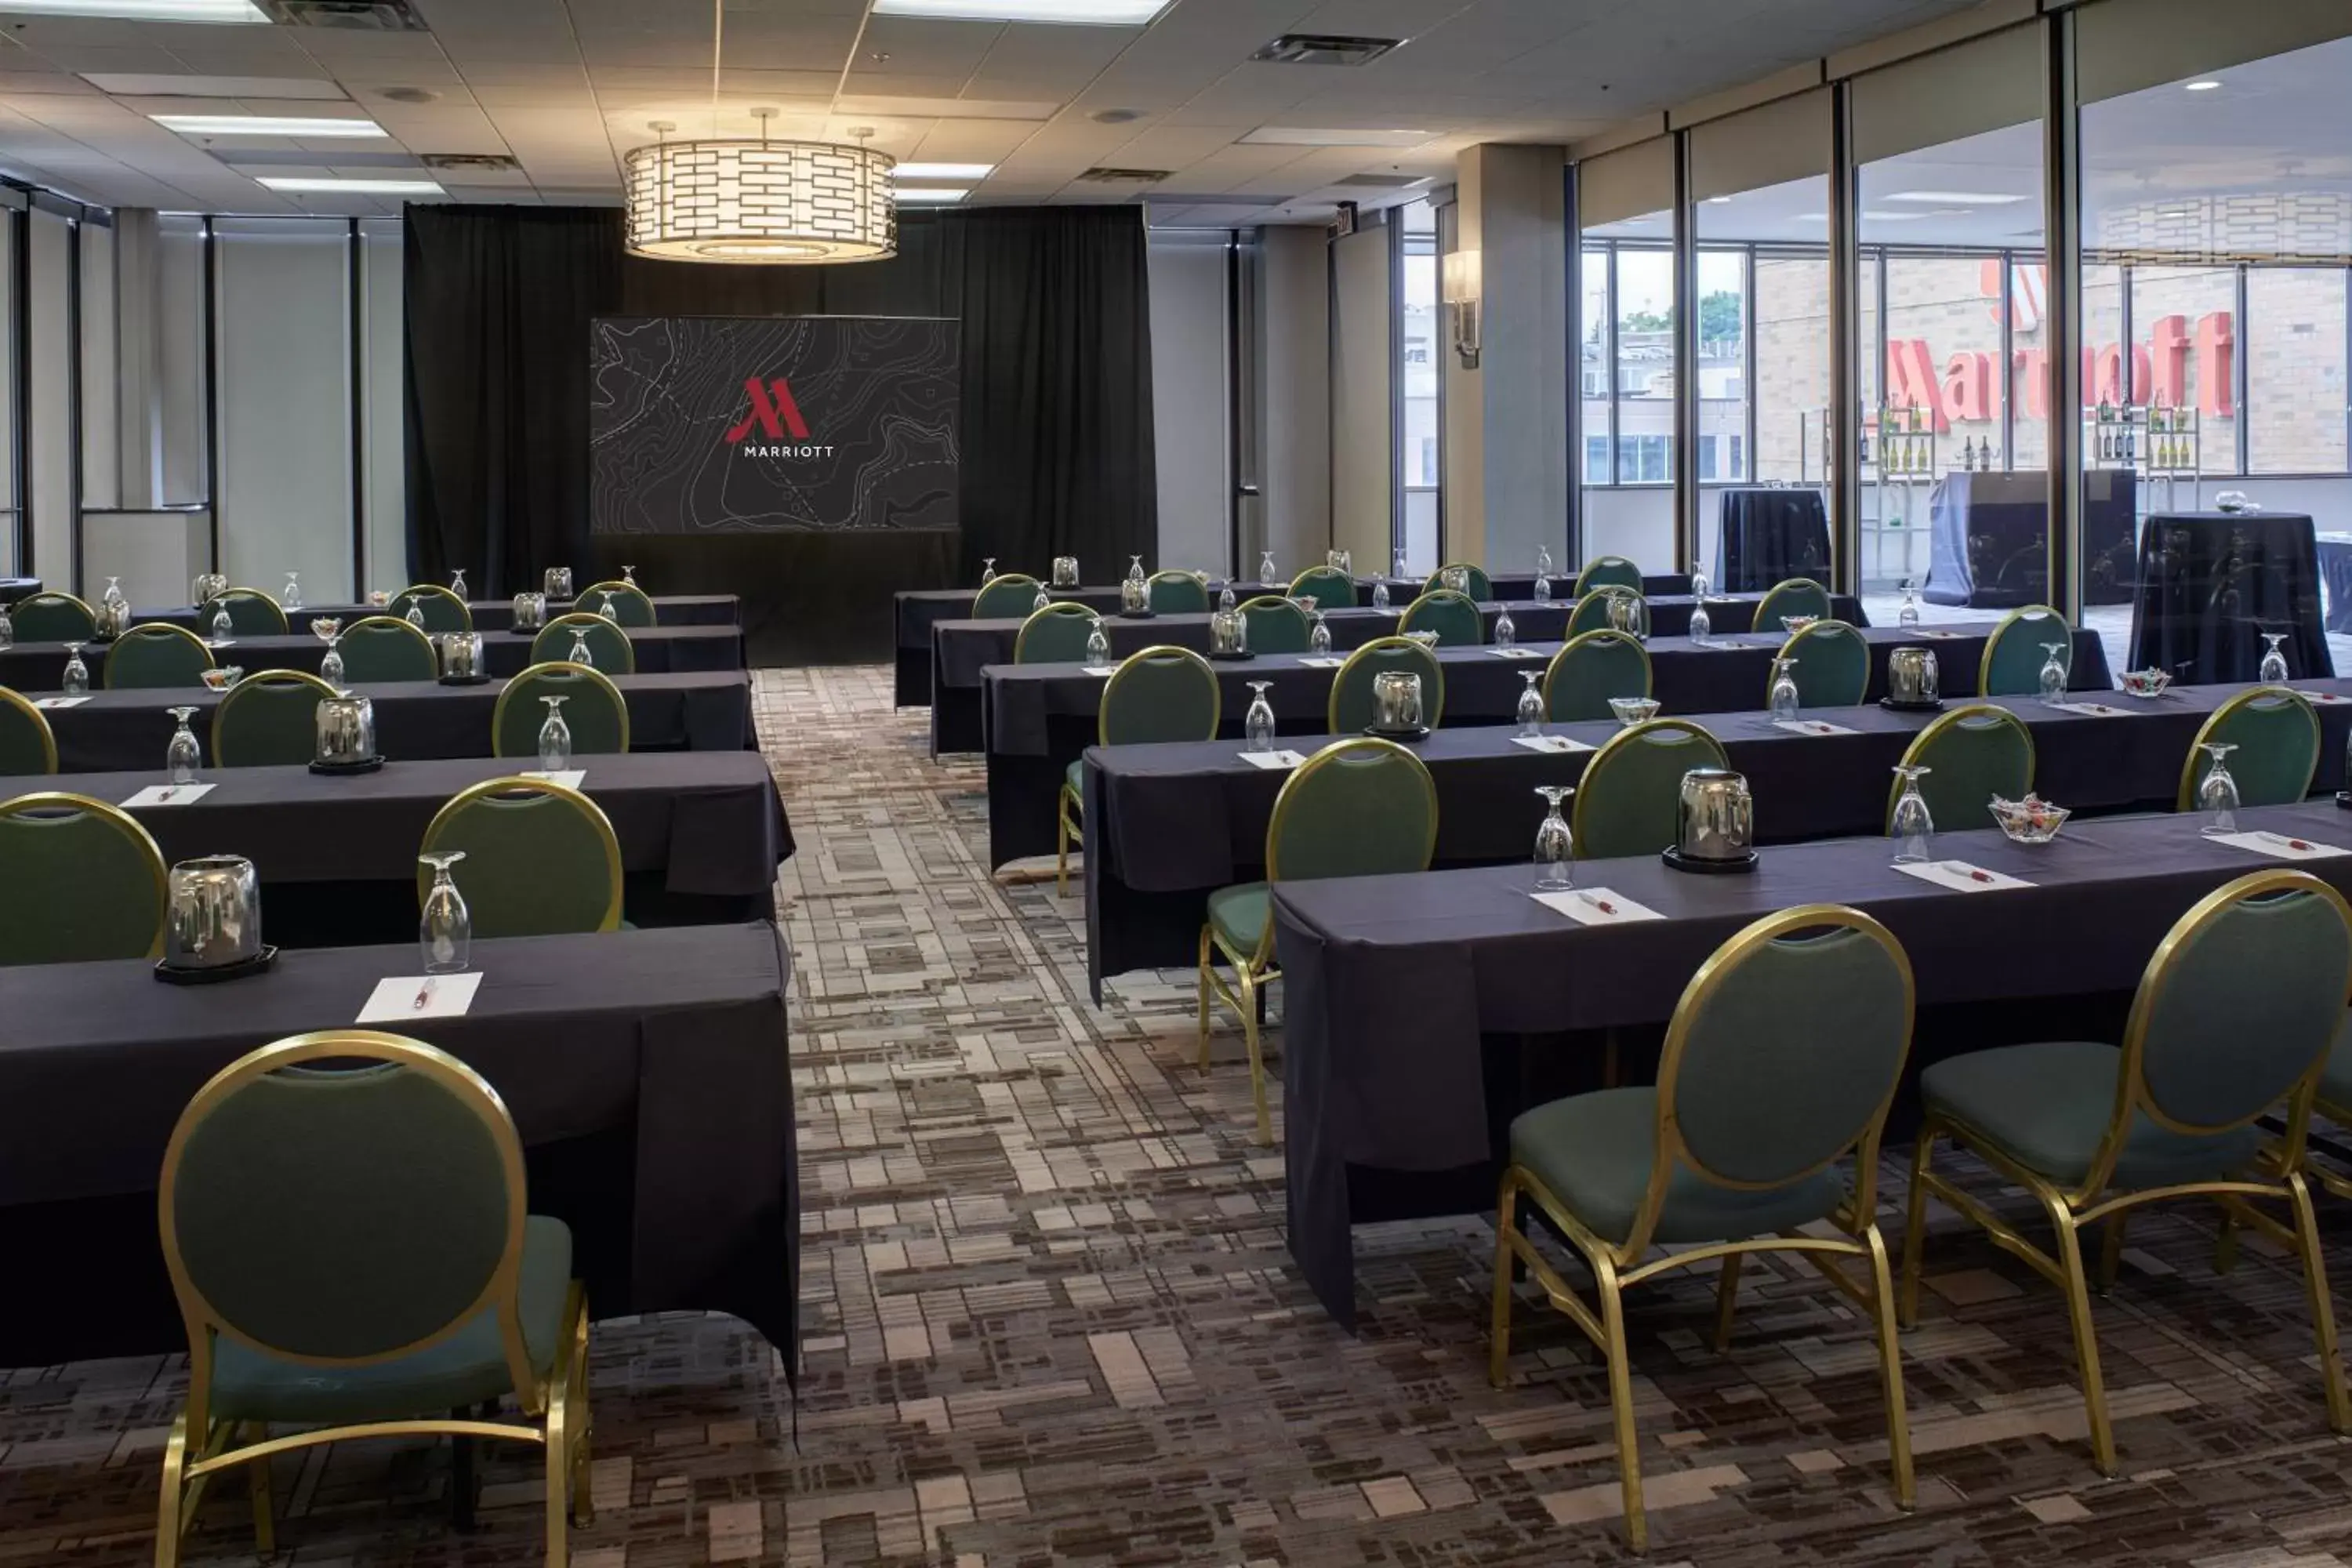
(1596, 460)
(2296, 372)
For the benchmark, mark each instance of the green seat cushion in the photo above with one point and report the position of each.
(466, 1368)
(2047, 1105)
(1238, 915)
(2336, 1078)
(1075, 777)
(1593, 1151)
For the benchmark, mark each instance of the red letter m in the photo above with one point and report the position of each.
(774, 416)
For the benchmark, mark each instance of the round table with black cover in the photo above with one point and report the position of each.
(2210, 585)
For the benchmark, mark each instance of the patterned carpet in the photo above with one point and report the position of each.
(1052, 1321)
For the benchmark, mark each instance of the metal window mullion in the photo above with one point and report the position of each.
(2241, 357)
(2062, 230)
(1683, 448)
(1841, 462)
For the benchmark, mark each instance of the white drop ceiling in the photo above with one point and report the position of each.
(566, 87)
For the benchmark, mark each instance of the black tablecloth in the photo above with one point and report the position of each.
(1991, 539)
(490, 614)
(14, 588)
(701, 835)
(660, 650)
(1407, 998)
(2211, 582)
(2335, 576)
(648, 1073)
(1766, 536)
(1169, 825)
(113, 731)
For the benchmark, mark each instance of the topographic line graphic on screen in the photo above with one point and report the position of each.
(773, 424)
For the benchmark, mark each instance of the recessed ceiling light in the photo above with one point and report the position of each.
(1309, 136)
(934, 194)
(943, 171)
(1960, 198)
(2207, 85)
(145, 10)
(1087, 13)
(1718, 201)
(264, 125)
(354, 188)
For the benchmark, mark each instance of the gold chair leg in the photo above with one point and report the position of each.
(1914, 1228)
(2225, 1244)
(1620, 1400)
(1498, 1335)
(1890, 1361)
(168, 1522)
(581, 1430)
(559, 1475)
(1726, 1300)
(2323, 1309)
(1204, 998)
(264, 1529)
(2111, 1250)
(1061, 854)
(1249, 989)
(2087, 1340)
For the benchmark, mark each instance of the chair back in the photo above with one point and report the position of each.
(1359, 807)
(1454, 616)
(1608, 571)
(383, 648)
(1784, 1052)
(1176, 594)
(251, 613)
(1832, 665)
(84, 882)
(632, 605)
(1596, 611)
(1593, 668)
(594, 710)
(344, 1213)
(52, 617)
(1475, 584)
(1055, 635)
(1005, 599)
(269, 719)
(608, 645)
(28, 744)
(540, 859)
(157, 654)
(2237, 1009)
(1632, 789)
(1972, 754)
(1328, 587)
(442, 609)
(1351, 707)
(1274, 624)
(1791, 596)
(2276, 733)
(2013, 656)
(1160, 694)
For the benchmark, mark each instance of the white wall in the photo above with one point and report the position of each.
(1295, 379)
(51, 457)
(1363, 401)
(100, 447)
(383, 388)
(182, 326)
(1191, 348)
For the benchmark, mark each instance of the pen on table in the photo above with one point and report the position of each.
(168, 791)
(1976, 875)
(424, 995)
(1604, 905)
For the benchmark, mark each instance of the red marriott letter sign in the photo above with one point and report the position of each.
(774, 415)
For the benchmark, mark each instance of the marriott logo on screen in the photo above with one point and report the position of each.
(775, 414)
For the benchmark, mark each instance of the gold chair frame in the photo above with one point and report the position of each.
(1254, 971)
(285, 626)
(1431, 596)
(619, 585)
(596, 677)
(1069, 810)
(1063, 608)
(1323, 572)
(1764, 621)
(260, 677)
(201, 1447)
(149, 631)
(41, 726)
(1266, 601)
(594, 813)
(465, 611)
(432, 657)
(2187, 797)
(1584, 574)
(1001, 577)
(2009, 622)
(1623, 740)
(1601, 635)
(1172, 571)
(74, 599)
(1434, 711)
(1829, 629)
(1617, 1266)
(124, 823)
(2070, 1209)
(1952, 719)
(572, 618)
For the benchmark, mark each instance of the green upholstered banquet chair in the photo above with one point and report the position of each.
(2276, 733)
(608, 645)
(541, 858)
(270, 719)
(1176, 594)
(442, 609)
(1328, 587)
(1454, 616)
(1055, 635)
(1791, 596)
(1274, 625)
(85, 882)
(1627, 802)
(1476, 583)
(632, 605)
(251, 613)
(1005, 599)
(451, 1295)
(28, 744)
(1357, 807)
(1972, 754)
(157, 654)
(1349, 710)
(1783, 1056)
(1595, 611)
(594, 710)
(1591, 669)
(1833, 668)
(1162, 693)
(377, 648)
(52, 617)
(2014, 655)
(1607, 571)
(2233, 1022)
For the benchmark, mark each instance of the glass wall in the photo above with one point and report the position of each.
(1625, 354)
(1419, 380)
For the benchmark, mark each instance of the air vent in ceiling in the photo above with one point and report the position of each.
(1384, 182)
(469, 162)
(350, 16)
(1324, 49)
(1126, 176)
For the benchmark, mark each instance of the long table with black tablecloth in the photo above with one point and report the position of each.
(108, 732)
(659, 650)
(14, 588)
(2210, 585)
(701, 834)
(1421, 1013)
(647, 1071)
(1989, 539)
(962, 648)
(1042, 716)
(1166, 826)
(488, 615)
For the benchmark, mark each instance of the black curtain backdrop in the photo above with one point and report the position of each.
(1056, 419)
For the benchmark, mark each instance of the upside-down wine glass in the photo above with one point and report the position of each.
(1555, 846)
(555, 738)
(629, 576)
(223, 626)
(183, 757)
(75, 682)
(1318, 636)
(415, 617)
(446, 933)
(607, 610)
(1507, 631)
(1041, 601)
(2273, 669)
(292, 599)
(1380, 592)
(1908, 616)
(1531, 705)
(1543, 560)
(1785, 700)
(457, 584)
(329, 629)
(113, 594)
(1701, 622)
(2054, 673)
(2217, 792)
(1258, 725)
(987, 570)
(1225, 597)
(1913, 830)
(1098, 642)
(1699, 587)
(1266, 571)
(1135, 569)
(7, 626)
(580, 654)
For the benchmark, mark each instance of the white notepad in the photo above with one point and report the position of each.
(1273, 761)
(570, 778)
(1811, 727)
(440, 996)
(1321, 661)
(2280, 846)
(2093, 709)
(1097, 669)
(1558, 745)
(1514, 651)
(2323, 697)
(1960, 877)
(59, 701)
(168, 794)
(1597, 907)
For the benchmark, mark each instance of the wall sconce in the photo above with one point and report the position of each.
(1461, 287)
